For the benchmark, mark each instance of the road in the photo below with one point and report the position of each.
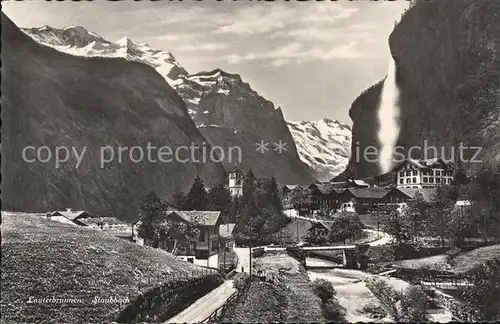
(384, 237)
(243, 254)
(206, 305)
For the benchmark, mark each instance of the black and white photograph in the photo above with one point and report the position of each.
(250, 161)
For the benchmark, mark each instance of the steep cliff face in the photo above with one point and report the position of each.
(229, 113)
(54, 99)
(447, 56)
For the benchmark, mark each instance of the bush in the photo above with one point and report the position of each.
(332, 311)
(257, 252)
(323, 289)
(414, 305)
(453, 253)
(374, 311)
(382, 290)
(380, 253)
(240, 280)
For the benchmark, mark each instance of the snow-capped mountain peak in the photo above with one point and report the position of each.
(324, 145)
(77, 40)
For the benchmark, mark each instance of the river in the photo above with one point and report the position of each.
(353, 294)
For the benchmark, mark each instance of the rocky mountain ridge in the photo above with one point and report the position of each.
(324, 145)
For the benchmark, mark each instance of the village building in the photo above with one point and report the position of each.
(201, 247)
(286, 190)
(319, 230)
(428, 173)
(68, 216)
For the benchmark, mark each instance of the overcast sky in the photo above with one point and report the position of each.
(310, 58)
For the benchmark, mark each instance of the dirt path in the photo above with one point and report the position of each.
(204, 306)
(243, 258)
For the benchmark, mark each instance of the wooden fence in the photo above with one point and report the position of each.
(219, 313)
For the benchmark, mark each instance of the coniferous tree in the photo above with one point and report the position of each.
(178, 201)
(197, 197)
(150, 216)
(249, 187)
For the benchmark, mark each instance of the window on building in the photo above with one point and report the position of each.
(408, 180)
(438, 173)
(202, 236)
(425, 180)
(431, 180)
(408, 173)
(449, 180)
(414, 180)
(401, 174)
(431, 172)
(415, 173)
(424, 172)
(401, 181)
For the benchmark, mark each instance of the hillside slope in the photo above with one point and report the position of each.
(448, 75)
(324, 145)
(230, 113)
(54, 99)
(47, 259)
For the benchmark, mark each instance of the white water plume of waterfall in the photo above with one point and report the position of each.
(388, 118)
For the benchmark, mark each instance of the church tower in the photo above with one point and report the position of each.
(236, 182)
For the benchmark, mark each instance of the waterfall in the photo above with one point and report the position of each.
(388, 118)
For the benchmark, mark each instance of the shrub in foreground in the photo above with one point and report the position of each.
(414, 305)
(332, 311)
(240, 280)
(324, 289)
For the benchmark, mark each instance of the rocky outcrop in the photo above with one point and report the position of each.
(324, 145)
(229, 113)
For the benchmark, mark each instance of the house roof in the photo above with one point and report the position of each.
(70, 214)
(423, 163)
(410, 192)
(226, 230)
(290, 187)
(339, 184)
(360, 183)
(200, 217)
(106, 220)
(369, 192)
(326, 188)
(236, 169)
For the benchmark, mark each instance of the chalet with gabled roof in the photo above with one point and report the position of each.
(425, 174)
(201, 247)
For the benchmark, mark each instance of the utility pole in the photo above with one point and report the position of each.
(208, 247)
(298, 240)
(250, 259)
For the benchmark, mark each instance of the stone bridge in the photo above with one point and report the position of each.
(353, 256)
